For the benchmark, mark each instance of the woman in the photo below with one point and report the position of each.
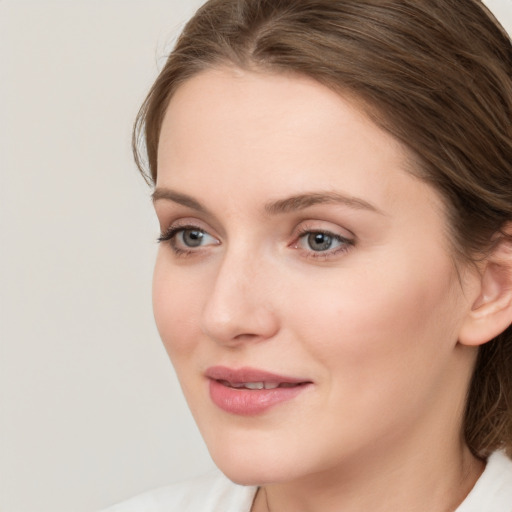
(333, 183)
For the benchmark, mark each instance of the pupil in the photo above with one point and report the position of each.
(192, 237)
(319, 241)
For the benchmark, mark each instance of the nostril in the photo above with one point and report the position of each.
(248, 337)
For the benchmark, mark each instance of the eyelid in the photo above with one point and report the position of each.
(320, 226)
(175, 228)
(169, 213)
(310, 227)
(170, 223)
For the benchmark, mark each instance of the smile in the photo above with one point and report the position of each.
(249, 392)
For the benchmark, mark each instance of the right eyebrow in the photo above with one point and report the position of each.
(179, 198)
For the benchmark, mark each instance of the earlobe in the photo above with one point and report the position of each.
(491, 312)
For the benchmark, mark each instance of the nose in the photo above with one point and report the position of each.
(240, 307)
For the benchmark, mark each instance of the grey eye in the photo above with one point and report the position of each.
(192, 237)
(320, 241)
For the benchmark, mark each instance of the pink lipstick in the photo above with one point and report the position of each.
(248, 391)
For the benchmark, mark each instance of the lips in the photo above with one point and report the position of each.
(248, 391)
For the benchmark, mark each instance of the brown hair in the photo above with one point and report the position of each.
(436, 74)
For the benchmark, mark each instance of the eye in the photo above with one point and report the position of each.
(186, 239)
(322, 244)
(191, 237)
(317, 241)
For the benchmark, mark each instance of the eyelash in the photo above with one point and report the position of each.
(170, 235)
(345, 243)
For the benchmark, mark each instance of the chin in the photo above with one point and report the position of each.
(245, 478)
(251, 475)
(256, 466)
(240, 466)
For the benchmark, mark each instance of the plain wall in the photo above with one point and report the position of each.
(90, 410)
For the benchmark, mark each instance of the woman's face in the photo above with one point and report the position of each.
(304, 287)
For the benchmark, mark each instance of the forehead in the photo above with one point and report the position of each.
(252, 111)
(219, 94)
(232, 131)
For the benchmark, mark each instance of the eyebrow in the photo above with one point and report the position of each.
(177, 197)
(303, 201)
(287, 205)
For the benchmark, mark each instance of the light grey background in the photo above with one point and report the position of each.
(90, 411)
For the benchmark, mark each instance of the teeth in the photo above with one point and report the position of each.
(254, 385)
(258, 385)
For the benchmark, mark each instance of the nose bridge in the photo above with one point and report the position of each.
(240, 306)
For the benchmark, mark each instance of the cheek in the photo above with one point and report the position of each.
(176, 306)
(384, 341)
(382, 321)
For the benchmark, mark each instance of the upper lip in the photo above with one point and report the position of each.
(247, 374)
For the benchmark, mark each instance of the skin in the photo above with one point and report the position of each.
(373, 322)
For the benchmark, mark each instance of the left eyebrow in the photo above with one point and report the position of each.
(303, 201)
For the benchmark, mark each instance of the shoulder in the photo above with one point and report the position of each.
(209, 493)
(493, 490)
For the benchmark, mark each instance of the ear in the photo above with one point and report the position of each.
(491, 312)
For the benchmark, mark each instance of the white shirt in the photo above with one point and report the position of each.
(215, 493)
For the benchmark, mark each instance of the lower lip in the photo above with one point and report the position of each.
(249, 402)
